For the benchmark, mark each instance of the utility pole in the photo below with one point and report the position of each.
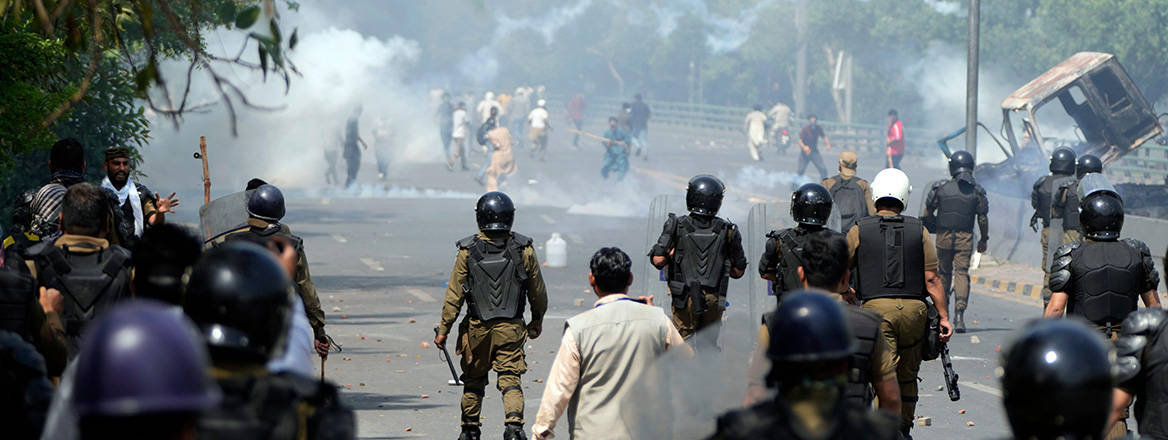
(801, 60)
(971, 65)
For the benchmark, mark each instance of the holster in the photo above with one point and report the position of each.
(931, 343)
(693, 290)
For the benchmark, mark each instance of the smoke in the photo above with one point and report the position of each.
(723, 34)
(546, 26)
(944, 7)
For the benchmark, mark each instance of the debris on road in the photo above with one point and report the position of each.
(960, 411)
(974, 340)
(412, 321)
(969, 423)
(336, 309)
(924, 421)
(425, 344)
(425, 396)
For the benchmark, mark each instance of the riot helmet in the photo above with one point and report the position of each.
(809, 327)
(891, 183)
(811, 205)
(1088, 163)
(266, 203)
(142, 358)
(239, 296)
(162, 259)
(495, 212)
(704, 195)
(22, 212)
(960, 162)
(1101, 216)
(1062, 161)
(1057, 381)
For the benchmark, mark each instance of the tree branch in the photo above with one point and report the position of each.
(94, 59)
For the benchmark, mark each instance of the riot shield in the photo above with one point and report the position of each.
(1054, 231)
(223, 215)
(652, 279)
(763, 218)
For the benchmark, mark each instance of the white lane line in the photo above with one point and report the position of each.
(983, 388)
(420, 294)
(576, 238)
(340, 238)
(969, 358)
(373, 264)
(547, 218)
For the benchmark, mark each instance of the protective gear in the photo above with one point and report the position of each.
(866, 328)
(277, 406)
(811, 205)
(513, 431)
(239, 297)
(1107, 278)
(809, 327)
(960, 162)
(1101, 216)
(957, 204)
(266, 203)
(775, 420)
(161, 259)
(495, 212)
(901, 273)
(848, 199)
(1142, 338)
(1088, 163)
(891, 183)
(1042, 197)
(1056, 382)
(17, 296)
(27, 391)
(1094, 183)
(470, 432)
(22, 215)
(497, 279)
(1062, 161)
(142, 358)
(704, 195)
(699, 258)
(91, 283)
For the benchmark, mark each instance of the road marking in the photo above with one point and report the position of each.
(969, 358)
(576, 238)
(420, 294)
(340, 238)
(373, 264)
(983, 388)
(547, 218)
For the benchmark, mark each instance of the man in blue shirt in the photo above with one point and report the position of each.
(616, 158)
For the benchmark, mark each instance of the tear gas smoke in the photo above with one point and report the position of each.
(723, 34)
(546, 26)
(944, 7)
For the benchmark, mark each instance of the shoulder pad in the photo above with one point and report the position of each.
(1138, 328)
(1137, 245)
(1144, 321)
(465, 243)
(1060, 270)
(521, 240)
(939, 184)
(1066, 249)
(1038, 184)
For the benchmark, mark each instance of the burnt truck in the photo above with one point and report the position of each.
(1102, 113)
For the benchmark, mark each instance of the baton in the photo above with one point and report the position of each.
(445, 355)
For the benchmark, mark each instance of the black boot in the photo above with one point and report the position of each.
(959, 321)
(469, 432)
(513, 431)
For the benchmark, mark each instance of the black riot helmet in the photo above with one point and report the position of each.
(704, 195)
(495, 212)
(1101, 215)
(266, 203)
(1088, 163)
(809, 327)
(960, 162)
(1062, 161)
(240, 298)
(1057, 382)
(22, 212)
(811, 204)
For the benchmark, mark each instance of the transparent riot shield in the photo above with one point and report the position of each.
(223, 215)
(763, 218)
(652, 279)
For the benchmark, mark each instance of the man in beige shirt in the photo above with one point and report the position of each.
(620, 337)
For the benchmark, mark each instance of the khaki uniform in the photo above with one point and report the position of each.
(1068, 237)
(954, 249)
(502, 158)
(495, 344)
(903, 322)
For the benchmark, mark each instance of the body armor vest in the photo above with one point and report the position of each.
(1050, 188)
(848, 198)
(1151, 408)
(866, 328)
(1107, 278)
(790, 244)
(1071, 207)
(890, 261)
(280, 406)
(496, 277)
(90, 282)
(772, 420)
(700, 254)
(17, 295)
(956, 207)
(262, 236)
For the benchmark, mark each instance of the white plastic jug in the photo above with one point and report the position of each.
(557, 251)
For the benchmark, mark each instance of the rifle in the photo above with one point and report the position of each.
(446, 355)
(950, 374)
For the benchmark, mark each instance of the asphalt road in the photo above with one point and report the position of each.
(381, 255)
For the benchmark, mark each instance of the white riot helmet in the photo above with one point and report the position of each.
(541, 103)
(891, 183)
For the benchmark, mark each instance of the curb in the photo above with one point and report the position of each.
(1029, 290)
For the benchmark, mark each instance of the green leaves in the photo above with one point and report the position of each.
(247, 17)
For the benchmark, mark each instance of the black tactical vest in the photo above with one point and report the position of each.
(772, 420)
(496, 277)
(17, 296)
(90, 282)
(848, 198)
(1108, 278)
(956, 207)
(790, 244)
(700, 253)
(1050, 188)
(1071, 207)
(890, 262)
(278, 406)
(866, 329)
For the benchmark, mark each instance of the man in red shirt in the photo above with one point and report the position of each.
(895, 142)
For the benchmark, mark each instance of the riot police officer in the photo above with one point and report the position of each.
(950, 209)
(91, 273)
(1062, 173)
(1066, 198)
(27, 390)
(811, 205)
(810, 349)
(162, 257)
(34, 317)
(240, 299)
(495, 273)
(1103, 277)
(1057, 382)
(702, 252)
(152, 385)
(895, 264)
(265, 209)
(1142, 346)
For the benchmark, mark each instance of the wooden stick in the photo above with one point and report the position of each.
(206, 170)
(592, 136)
(322, 369)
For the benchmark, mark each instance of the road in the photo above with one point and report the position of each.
(381, 255)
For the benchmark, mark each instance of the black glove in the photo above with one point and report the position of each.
(1034, 220)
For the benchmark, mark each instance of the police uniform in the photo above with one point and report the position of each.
(21, 314)
(952, 205)
(851, 195)
(700, 252)
(1104, 280)
(495, 273)
(1143, 363)
(891, 282)
(1042, 200)
(780, 258)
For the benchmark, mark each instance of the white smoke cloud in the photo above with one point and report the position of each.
(723, 34)
(944, 7)
(546, 26)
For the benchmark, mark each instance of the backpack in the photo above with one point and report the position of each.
(848, 198)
